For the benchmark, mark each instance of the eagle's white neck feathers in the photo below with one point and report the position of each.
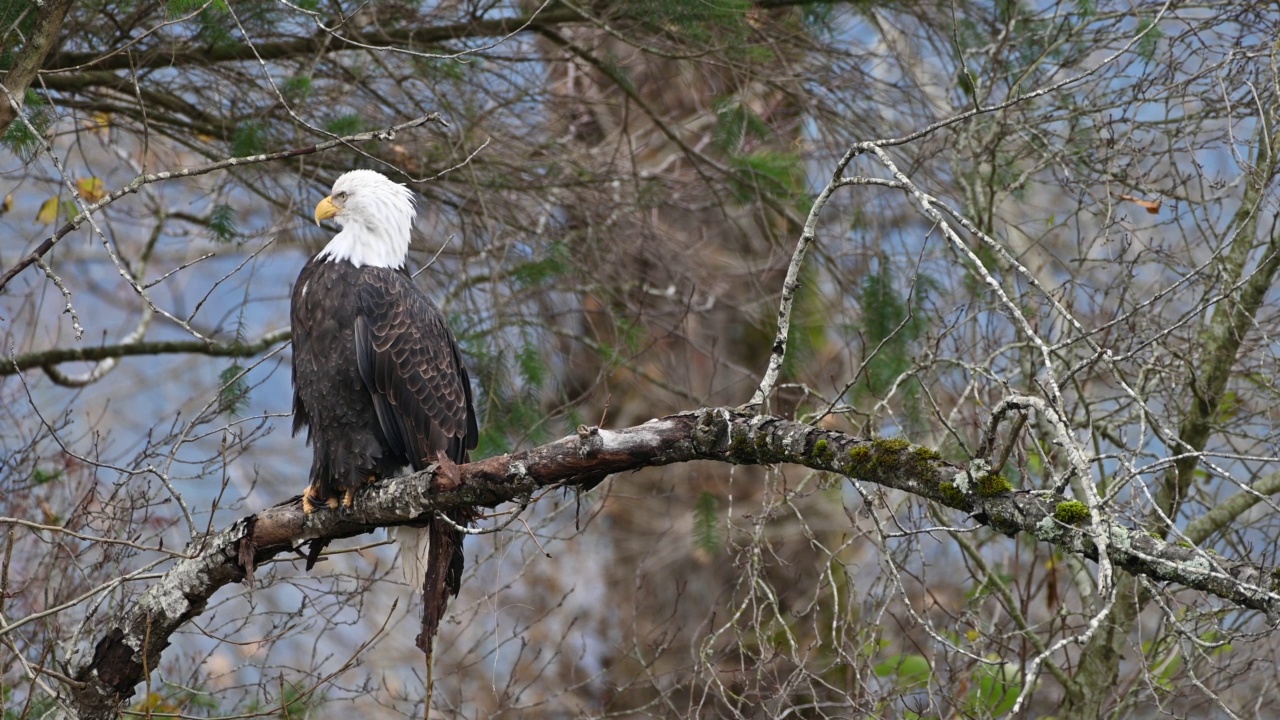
(376, 215)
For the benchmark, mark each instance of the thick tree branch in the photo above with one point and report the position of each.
(322, 41)
(104, 85)
(49, 19)
(1228, 511)
(130, 644)
(1224, 335)
(319, 42)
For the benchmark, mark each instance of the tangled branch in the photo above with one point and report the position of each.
(132, 642)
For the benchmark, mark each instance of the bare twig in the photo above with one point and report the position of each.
(146, 179)
(69, 309)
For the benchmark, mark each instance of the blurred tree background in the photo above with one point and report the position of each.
(608, 211)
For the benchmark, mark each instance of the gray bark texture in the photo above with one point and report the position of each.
(129, 645)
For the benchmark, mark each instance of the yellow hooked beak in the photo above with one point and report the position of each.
(326, 209)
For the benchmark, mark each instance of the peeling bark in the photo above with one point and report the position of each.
(130, 645)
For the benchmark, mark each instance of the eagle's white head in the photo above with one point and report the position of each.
(375, 214)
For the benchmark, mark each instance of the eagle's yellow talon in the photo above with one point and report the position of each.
(308, 506)
(332, 503)
(348, 498)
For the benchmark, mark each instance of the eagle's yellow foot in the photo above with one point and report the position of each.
(310, 499)
(349, 495)
(308, 506)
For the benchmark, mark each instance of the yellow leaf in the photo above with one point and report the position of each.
(7, 205)
(155, 702)
(101, 123)
(48, 211)
(91, 189)
(971, 634)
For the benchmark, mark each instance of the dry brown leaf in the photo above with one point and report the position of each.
(1151, 206)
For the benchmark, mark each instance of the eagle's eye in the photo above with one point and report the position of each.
(340, 196)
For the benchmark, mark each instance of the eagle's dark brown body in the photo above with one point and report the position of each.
(380, 385)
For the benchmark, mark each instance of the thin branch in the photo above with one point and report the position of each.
(47, 244)
(778, 352)
(50, 358)
(69, 309)
(81, 536)
(923, 132)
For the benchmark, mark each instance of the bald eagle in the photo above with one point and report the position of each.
(377, 376)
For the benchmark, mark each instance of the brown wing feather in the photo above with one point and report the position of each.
(410, 362)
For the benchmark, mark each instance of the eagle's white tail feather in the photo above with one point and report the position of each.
(415, 544)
